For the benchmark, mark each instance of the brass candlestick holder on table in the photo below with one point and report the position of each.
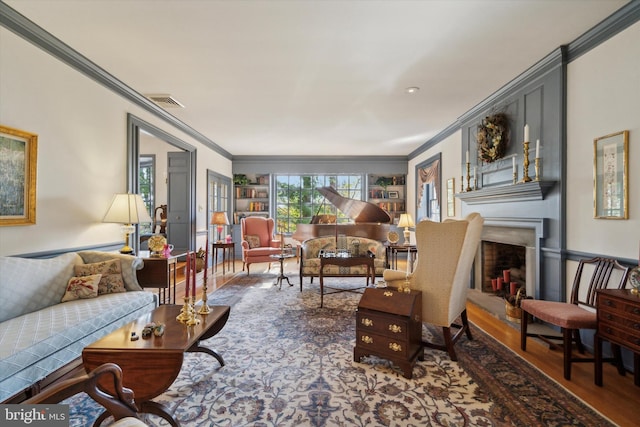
(185, 312)
(525, 172)
(204, 309)
(537, 166)
(462, 184)
(192, 320)
(468, 177)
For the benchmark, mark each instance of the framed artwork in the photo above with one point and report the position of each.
(18, 156)
(610, 175)
(451, 201)
(393, 194)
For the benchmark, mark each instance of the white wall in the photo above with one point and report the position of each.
(451, 151)
(82, 133)
(603, 97)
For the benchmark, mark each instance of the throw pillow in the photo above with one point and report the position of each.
(253, 240)
(82, 287)
(111, 271)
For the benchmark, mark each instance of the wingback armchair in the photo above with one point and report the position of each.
(442, 272)
(258, 241)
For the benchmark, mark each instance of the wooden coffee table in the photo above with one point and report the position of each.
(151, 365)
(347, 261)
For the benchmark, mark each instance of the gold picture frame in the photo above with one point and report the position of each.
(451, 200)
(18, 167)
(610, 176)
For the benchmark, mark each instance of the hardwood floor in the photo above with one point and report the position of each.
(618, 399)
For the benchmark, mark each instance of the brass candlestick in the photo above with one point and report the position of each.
(525, 172)
(204, 309)
(462, 184)
(468, 177)
(515, 177)
(537, 166)
(185, 312)
(192, 313)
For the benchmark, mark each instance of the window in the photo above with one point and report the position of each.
(298, 200)
(147, 188)
(218, 195)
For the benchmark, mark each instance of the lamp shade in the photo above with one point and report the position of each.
(405, 220)
(127, 209)
(219, 218)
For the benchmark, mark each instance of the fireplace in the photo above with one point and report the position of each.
(513, 244)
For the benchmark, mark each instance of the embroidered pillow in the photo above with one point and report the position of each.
(253, 240)
(82, 287)
(111, 271)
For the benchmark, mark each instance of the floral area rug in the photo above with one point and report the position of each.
(289, 362)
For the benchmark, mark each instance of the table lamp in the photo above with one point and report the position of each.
(219, 219)
(127, 209)
(406, 221)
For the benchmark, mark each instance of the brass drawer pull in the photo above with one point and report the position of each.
(636, 310)
(395, 346)
(608, 316)
(395, 329)
(366, 322)
(367, 339)
(607, 302)
(388, 294)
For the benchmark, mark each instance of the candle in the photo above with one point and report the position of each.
(193, 273)
(187, 276)
(499, 283)
(537, 148)
(526, 133)
(514, 164)
(513, 288)
(474, 172)
(206, 257)
(467, 156)
(506, 275)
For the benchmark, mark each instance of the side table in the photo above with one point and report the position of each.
(160, 272)
(224, 247)
(392, 254)
(281, 257)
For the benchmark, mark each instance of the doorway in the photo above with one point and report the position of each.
(174, 171)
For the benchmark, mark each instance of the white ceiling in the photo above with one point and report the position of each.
(262, 77)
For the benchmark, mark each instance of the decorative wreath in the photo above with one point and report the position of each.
(493, 137)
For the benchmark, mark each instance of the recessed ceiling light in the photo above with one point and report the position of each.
(412, 89)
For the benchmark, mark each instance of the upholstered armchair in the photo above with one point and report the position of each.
(258, 242)
(442, 272)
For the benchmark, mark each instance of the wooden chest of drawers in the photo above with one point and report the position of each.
(389, 325)
(618, 323)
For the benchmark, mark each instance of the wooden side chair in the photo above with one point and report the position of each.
(579, 313)
(121, 405)
(442, 272)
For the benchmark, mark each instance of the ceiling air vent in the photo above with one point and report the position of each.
(165, 101)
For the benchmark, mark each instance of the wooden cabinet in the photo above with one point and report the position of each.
(619, 323)
(251, 196)
(389, 325)
(388, 192)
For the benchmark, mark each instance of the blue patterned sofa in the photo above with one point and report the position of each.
(39, 334)
(310, 256)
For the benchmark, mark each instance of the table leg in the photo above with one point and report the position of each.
(597, 349)
(151, 407)
(321, 287)
(224, 255)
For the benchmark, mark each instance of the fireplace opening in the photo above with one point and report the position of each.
(497, 257)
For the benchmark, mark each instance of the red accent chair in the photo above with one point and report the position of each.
(258, 242)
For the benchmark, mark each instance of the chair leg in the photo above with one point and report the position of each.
(465, 324)
(578, 339)
(523, 330)
(448, 342)
(567, 341)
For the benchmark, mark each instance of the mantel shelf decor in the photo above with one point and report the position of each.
(493, 137)
(534, 190)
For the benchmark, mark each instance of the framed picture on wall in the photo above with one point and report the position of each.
(610, 175)
(18, 174)
(451, 201)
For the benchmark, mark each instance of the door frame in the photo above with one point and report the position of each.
(134, 126)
